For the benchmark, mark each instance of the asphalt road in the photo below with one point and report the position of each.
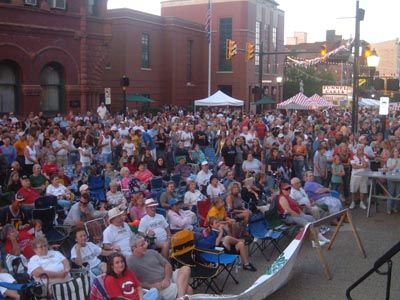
(377, 233)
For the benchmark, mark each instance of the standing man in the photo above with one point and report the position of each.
(102, 111)
(359, 163)
(104, 144)
(61, 150)
(321, 166)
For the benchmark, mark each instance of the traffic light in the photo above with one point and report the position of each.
(367, 51)
(231, 49)
(323, 50)
(249, 51)
(379, 84)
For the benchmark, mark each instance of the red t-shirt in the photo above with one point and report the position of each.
(24, 242)
(50, 169)
(30, 195)
(261, 130)
(125, 286)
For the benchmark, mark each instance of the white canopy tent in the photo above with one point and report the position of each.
(219, 99)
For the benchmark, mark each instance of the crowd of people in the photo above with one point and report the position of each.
(99, 165)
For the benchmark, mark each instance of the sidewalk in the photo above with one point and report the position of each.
(377, 233)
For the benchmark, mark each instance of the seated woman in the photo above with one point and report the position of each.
(273, 164)
(137, 210)
(251, 165)
(148, 159)
(235, 204)
(160, 168)
(50, 167)
(121, 282)
(218, 237)
(197, 155)
(114, 196)
(14, 184)
(125, 178)
(131, 164)
(251, 194)
(218, 210)
(179, 219)
(87, 252)
(290, 210)
(50, 262)
(17, 242)
(192, 196)
(55, 188)
(215, 188)
(143, 174)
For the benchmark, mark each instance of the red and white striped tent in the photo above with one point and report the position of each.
(319, 101)
(299, 102)
(394, 106)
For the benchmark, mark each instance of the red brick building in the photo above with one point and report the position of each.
(165, 59)
(52, 54)
(245, 21)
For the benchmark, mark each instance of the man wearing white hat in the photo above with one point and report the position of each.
(155, 225)
(203, 177)
(117, 235)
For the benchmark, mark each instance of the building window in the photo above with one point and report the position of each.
(8, 88)
(189, 61)
(275, 48)
(267, 48)
(225, 32)
(51, 97)
(145, 51)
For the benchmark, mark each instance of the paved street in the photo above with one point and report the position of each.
(378, 233)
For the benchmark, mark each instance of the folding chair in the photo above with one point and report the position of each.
(202, 210)
(180, 185)
(211, 158)
(156, 184)
(94, 229)
(54, 233)
(263, 235)
(97, 188)
(224, 260)
(184, 254)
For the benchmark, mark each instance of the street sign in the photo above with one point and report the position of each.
(384, 106)
(107, 96)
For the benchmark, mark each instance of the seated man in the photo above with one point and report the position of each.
(168, 195)
(203, 177)
(80, 212)
(38, 180)
(117, 235)
(154, 225)
(14, 214)
(154, 271)
(299, 195)
(218, 237)
(183, 169)
(29, 194)
(320, 194)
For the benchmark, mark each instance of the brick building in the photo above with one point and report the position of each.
(52, 54)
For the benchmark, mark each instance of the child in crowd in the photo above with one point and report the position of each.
(337, 174)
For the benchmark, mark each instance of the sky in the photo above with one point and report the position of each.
(315, 17)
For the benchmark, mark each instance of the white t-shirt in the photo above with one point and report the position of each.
(57, 144)
(203, 178)
(158, 224)
(300, 196)
(187, 137)
(119, 236)
(101, 111)
(356, 161)
(52, 262)
(192, 198)
(129, 147)
(61, 190)
(89, 254)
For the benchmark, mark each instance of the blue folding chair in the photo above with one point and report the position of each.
(156, 184)
(263, 235)
(224, 260)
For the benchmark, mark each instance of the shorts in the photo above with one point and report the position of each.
(170, 292)
(359, 183)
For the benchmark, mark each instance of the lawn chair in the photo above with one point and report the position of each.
(263, 236)
(97, 188)
(156, 184)
(184, 254)
(211, 157)
(54, 233)
(94, 229)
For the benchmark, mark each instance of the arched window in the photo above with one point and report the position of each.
(51, 97)
(8, 88)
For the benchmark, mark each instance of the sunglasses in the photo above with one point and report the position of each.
(287, 189)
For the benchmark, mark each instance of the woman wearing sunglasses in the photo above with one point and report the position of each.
(292, 212)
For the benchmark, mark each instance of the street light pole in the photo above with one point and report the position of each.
(354, 113)
(260, 69)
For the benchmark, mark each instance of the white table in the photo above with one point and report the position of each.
(374, 176)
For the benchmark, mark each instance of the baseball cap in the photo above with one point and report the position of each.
(150, 202)
(19, 197)
(280, 135)
(285, 186)
(220, 164)
(23, 177)
(204, 163)
(83, 187)
(173, 201)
